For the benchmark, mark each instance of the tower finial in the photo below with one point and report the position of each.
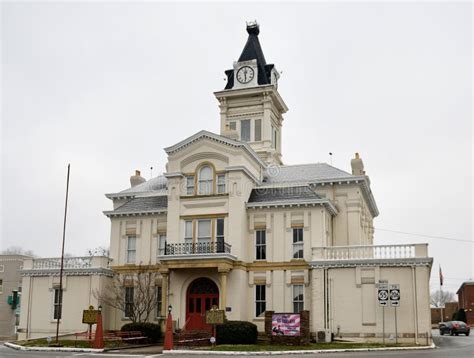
(253, 28)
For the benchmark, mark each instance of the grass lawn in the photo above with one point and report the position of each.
(70, 343)
(312, 346)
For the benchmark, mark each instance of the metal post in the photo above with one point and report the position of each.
(396, 328)
(60, 306)
(383, 324)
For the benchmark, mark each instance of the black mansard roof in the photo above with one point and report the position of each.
(253, 51)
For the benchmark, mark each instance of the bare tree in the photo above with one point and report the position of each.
(439, 298)
(134, 293)
(17, 250)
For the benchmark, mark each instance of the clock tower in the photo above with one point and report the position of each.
(251, 108)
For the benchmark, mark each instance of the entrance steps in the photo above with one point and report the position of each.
(192, 338)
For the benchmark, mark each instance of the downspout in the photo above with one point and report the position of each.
(415, 305)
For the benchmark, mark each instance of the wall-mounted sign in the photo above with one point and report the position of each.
(286, 324)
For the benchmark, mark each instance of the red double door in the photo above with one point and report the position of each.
(201, 296)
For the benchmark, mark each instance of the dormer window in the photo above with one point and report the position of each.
(205, 179)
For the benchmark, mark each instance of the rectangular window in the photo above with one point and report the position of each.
(190, 185)
(298, 298)
(2, 268)
(232, 126)
(1, 286)
(245, 130)
(258, 130)
(128, 302)
(298, 243)
(57, 303)
(161, 244)
(131, 249)
(188, 232)
(220, 234)
(159, 301)
(221, 184)
(260, 302)
(261, 245)
(204, 231)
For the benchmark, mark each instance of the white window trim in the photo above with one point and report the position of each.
(188, 239)
(189, 179)
(2, 268)
(298, 243)
(257, 245)
(158, 242)
(208, 181)
(255, 302)
(293, 296)
(124, 316)
(208, 238)
(127, 249)
(221, 184)
(53, 303)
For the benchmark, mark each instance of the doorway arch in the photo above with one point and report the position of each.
(201, 295)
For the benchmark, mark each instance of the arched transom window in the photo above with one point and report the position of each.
(205, 179)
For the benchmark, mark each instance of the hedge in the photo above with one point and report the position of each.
(236, 332)
(150, 330)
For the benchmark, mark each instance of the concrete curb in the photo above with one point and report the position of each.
(51, 349)
(316, 351)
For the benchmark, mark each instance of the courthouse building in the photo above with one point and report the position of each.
(230, 224)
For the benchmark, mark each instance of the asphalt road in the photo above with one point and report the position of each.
(448, 346)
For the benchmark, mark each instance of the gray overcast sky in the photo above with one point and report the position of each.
(106, 86)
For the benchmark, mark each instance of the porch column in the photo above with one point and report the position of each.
(164, 294)
(223, 294)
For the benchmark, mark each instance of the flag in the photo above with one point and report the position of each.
(441, 277)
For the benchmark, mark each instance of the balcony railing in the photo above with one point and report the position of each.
(69, 263)
(376, 252)
(196, 248)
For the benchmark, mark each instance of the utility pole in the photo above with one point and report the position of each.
(60, 306)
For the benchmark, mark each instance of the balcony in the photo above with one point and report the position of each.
(338, 255)
(199, 250)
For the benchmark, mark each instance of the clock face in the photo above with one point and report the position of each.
(245, 74)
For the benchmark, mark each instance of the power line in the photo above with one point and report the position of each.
(428, 236)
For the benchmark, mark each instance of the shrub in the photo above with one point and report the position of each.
(236, 332)
(150, 330)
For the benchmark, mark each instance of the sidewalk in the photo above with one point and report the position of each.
(149, 350)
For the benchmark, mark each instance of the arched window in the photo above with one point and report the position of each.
(205, 179)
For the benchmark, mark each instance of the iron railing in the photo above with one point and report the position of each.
(190, 248)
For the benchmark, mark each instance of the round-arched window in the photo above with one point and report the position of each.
(205, 179)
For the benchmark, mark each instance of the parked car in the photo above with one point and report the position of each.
(454, 328)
